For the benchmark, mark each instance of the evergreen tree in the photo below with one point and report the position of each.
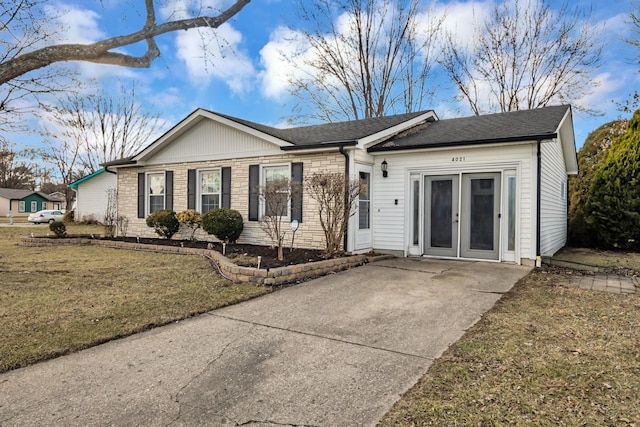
(590, 158)
(613, 205)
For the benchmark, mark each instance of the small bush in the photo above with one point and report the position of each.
(189, 219)
(58, 228)
(225, 224)
(69, 216)
(164, 222)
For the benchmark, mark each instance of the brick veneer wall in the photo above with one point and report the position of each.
(273, 276)
(309, 234)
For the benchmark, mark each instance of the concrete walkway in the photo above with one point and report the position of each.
(335, 351)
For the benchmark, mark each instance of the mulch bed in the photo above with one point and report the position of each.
(241, 254)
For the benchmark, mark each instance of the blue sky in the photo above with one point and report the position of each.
(244, 77)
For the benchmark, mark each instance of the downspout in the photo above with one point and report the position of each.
(538, 209)
(106, 169)
(346, 174)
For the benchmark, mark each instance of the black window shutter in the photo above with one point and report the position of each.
(296, 200)
(226, 187)
(141, 182)
(191, 189)
(254, 182)
(168, 185)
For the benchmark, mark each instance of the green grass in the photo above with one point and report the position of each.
(55, 300)
(545, 355)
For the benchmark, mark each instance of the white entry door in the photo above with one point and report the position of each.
(364, 238)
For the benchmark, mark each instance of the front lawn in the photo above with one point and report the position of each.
(545, 355)
(55, 300)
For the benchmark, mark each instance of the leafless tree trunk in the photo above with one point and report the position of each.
(276, 197)
(336, 195)
(369, 58)
(525, 56)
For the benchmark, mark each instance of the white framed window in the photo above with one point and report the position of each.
(275, 177)
(44, 205)
(21, 206)
(156, 191)
(34, 206)
(364, 202)
(209, 189)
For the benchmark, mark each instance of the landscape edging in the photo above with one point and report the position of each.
(236, 273)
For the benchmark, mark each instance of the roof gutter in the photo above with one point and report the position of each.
(346, 195)
(325, 145)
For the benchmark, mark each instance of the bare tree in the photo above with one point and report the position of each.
(24, 28)
(364, 58)
(14, 171)
(525, 56)
(29, 52)
(102, 126)
(276, 197)
(634, 15)
(336, 195)
(105, 51)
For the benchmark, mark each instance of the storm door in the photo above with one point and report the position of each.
(441, 215)
(480, 226)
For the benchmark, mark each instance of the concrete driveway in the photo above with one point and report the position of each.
(338, 350)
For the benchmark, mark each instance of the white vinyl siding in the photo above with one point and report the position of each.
(91, 196)
(553, 200)
(208, 141)
(391, 232)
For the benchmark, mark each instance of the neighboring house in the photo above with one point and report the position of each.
(58, 200)
(92, 194)
(485, 187)
(20, 203)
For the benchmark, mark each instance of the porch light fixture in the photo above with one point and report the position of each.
(383, 166)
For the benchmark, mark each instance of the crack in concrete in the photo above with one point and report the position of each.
(176, 397)
(413, 270)
(275, 423)
(309, 334)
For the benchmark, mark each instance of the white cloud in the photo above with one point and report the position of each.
(215, 53)
(285, 45)
(462, 18)
(78, 25)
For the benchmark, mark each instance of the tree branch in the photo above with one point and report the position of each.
(100, 52)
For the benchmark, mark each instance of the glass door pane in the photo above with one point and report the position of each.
(441, 215)
(480, 227)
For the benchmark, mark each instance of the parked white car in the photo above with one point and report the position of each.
(46, 216)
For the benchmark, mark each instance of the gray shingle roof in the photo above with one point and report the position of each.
(502, 127)
(330, 132)
(15, 194)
